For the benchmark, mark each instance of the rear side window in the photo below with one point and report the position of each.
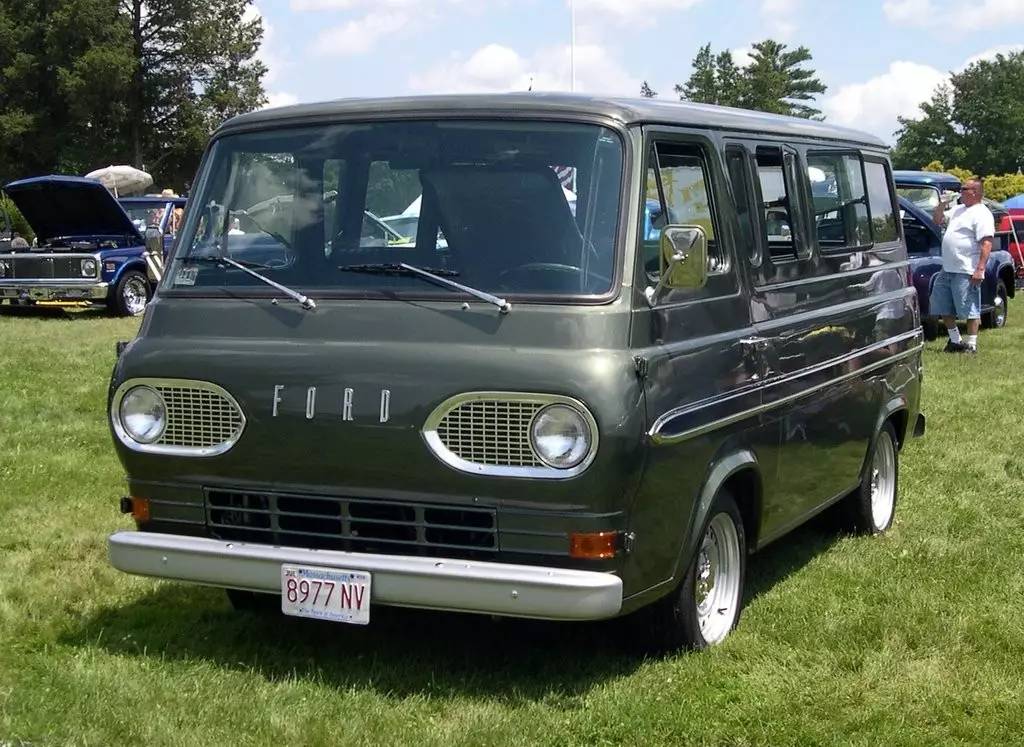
(880, 201)
(840, 203)
(776, 204)
(739, 177)
(678, 193)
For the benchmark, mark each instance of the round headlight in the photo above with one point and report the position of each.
(143, 414)
(561, 436)
(3, 269)
(88, 268)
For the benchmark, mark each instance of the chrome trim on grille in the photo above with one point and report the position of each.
(211, 428)
(461, 441)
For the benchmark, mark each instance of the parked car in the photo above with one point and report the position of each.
(924, 248)
(166, 213)
(1012, 224)
(87, 247)
(555, 414)
(926, 188)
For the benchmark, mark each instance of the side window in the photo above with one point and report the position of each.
(737, 162)
(678, 192)
(838, 196)
(880, 200)
(776, 204)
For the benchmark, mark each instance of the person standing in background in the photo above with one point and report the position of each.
(966, 244)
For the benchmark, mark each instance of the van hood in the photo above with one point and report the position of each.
(311, 386)
(66, 206)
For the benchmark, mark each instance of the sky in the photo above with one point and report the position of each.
(879, 58)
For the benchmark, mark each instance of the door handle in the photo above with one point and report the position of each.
(754, 342)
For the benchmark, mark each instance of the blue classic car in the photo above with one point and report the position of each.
(924, 249)
(88, 246)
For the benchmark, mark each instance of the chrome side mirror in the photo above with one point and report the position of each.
(684, 260)
(154, 254)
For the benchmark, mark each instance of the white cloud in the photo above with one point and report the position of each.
(643, 10)
(280, 98)
(780, 16)
(495, 68)
(268, 53)
(990, 54)
(361, 35)
(742, 56)
(874, 104)
(954, 17)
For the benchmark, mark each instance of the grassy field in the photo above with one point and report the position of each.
(914, 638)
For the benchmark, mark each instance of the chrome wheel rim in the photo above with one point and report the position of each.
(883, 481)
(134, 295)
(717, 581)
(999, 314)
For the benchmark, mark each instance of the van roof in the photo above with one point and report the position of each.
(626, 111)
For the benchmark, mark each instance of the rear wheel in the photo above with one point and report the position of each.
(997, 317)
(871, 508)
(705, 607)
(131, 294)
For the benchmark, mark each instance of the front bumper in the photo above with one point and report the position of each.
(53, 290)
(430, 583)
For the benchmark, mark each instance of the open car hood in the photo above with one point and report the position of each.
(67, 206)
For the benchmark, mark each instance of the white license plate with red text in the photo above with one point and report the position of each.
(325, 593)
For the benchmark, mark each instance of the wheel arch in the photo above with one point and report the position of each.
(136, 263)
(739, 472)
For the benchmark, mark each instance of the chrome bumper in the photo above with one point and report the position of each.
(431, 583)
(53, 290)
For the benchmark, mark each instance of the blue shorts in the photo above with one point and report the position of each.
(953, 295)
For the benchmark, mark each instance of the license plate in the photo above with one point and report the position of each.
(325, 593)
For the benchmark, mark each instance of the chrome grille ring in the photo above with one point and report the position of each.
(488, 433)
(203, 419)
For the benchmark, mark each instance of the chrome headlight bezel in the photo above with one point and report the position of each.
(574, 428)
(147, 402)
(88, 267)
(4, 268)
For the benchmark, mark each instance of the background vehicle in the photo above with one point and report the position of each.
(88, 249)
(924, 248)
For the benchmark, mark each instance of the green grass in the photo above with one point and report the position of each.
(914, 638)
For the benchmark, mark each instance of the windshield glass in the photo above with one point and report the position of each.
(512, 208)
(143, 215)
(926, 198)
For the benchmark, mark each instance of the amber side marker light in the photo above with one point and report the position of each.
(593, 545)
(137, 507)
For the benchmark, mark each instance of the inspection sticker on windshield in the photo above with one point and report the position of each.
(325, 593)
(186, 276)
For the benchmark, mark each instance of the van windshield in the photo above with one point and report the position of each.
(528, 208)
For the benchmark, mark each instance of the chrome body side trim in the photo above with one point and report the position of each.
(443, 453)
(430, 583)
(656, 431)
(169, 450)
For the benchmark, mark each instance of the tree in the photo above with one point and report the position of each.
(776, 81)
(194, 66)
(975, 121)
(86, 83)
(647, 92)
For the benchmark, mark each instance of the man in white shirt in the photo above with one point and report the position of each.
(966, 245)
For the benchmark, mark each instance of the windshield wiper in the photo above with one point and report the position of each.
(434, 275)
(247, 267)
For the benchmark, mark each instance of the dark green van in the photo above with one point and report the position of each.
(531, 355)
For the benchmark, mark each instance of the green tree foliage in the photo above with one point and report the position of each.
(1003, 186)
(976, 121)
(18, 224)
(775, 80)
(647, 92)
(87, 83)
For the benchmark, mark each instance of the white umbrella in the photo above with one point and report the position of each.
(121, 179)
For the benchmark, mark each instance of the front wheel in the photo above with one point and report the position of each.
(871, 508)
(131, 294)
(705, 607)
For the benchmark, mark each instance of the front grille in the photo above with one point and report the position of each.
(352, 524)
(491, 432)
(198, 418)
(46, 268)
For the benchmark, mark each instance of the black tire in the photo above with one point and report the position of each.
(998, 316)
(131, 294)
(675, 621)
(250, 601)
(861, 512)
(930, 327)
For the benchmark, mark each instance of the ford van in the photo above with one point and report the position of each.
(532, 408)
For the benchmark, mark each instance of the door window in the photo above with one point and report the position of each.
(777, 204)
(880, 200)
(840, 204)
(737, 162)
